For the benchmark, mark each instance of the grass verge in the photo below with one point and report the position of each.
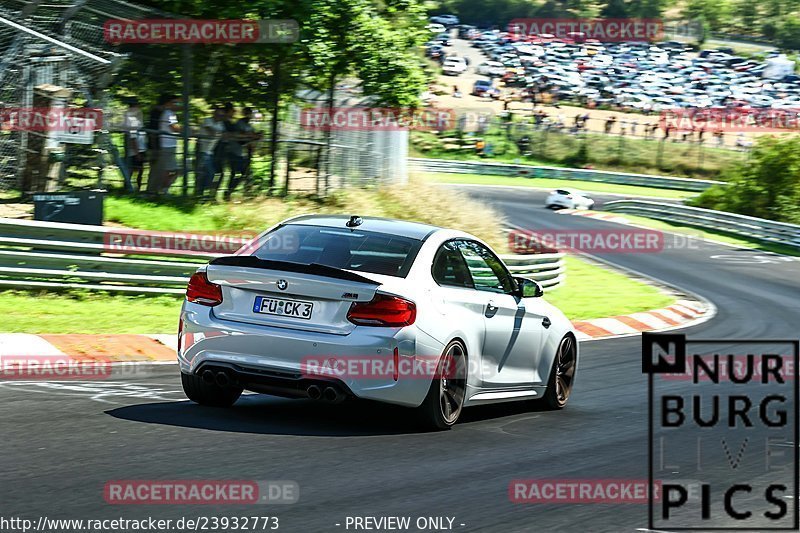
(418, 201)
(88, 312)
(593, 291)
(603, 152)
(550, 183)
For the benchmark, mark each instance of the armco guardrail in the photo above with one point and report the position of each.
(51, 255)
(578, 174)
(546, 269)
(758, 228)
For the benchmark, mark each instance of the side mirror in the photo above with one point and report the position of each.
(527, 288)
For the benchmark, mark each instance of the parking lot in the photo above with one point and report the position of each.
(624, 87)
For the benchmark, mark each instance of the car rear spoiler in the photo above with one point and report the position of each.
(251, 261)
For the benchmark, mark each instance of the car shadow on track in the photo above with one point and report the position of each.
(276, 416)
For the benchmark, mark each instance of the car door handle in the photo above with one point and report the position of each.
(490, 307)
(546, 322)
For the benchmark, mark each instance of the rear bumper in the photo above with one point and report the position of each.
(271, 381)
(276, 360)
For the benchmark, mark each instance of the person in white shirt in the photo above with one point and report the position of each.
(167, 162)
(135, 144)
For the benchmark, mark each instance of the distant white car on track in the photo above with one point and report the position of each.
(569, 199)
(398, 296)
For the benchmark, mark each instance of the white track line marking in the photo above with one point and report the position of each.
(27, 345)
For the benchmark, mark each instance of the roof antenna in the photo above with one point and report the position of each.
(354, 221)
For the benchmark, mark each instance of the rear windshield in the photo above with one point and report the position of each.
(363, 251)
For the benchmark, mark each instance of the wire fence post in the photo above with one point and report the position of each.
(186, 78)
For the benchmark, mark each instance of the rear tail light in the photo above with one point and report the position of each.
(383, 310)
(203, 292)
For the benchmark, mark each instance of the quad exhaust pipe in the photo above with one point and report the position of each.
(332, 395)
(314, 392)
(328, 394)
(223, 379)
(219, 378)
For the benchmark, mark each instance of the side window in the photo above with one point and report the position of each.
(449, 267)
(488, 273)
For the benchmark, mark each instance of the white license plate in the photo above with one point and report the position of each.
(283, 307)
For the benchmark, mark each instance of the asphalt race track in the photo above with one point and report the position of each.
(63, 441)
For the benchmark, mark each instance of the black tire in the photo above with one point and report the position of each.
(445, 400)
(211, 395)
(562, 375)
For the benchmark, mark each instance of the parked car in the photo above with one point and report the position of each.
(443, 39)
(435, 52)
(491, 68)
(453, 66)
(445, 20)
(485, 88)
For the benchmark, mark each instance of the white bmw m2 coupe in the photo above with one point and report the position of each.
(338, 307)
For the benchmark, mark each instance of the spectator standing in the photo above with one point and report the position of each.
(610, 124)
(224, 149)
(483, 124)
(168, 130)
(135, 144)
(211, 131)
(241, 149)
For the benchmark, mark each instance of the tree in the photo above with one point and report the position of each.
(788, 34)
(615, 9)
(766, 186)
(717, 14)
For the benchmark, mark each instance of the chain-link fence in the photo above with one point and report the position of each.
(50, 59)
(54, 54)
